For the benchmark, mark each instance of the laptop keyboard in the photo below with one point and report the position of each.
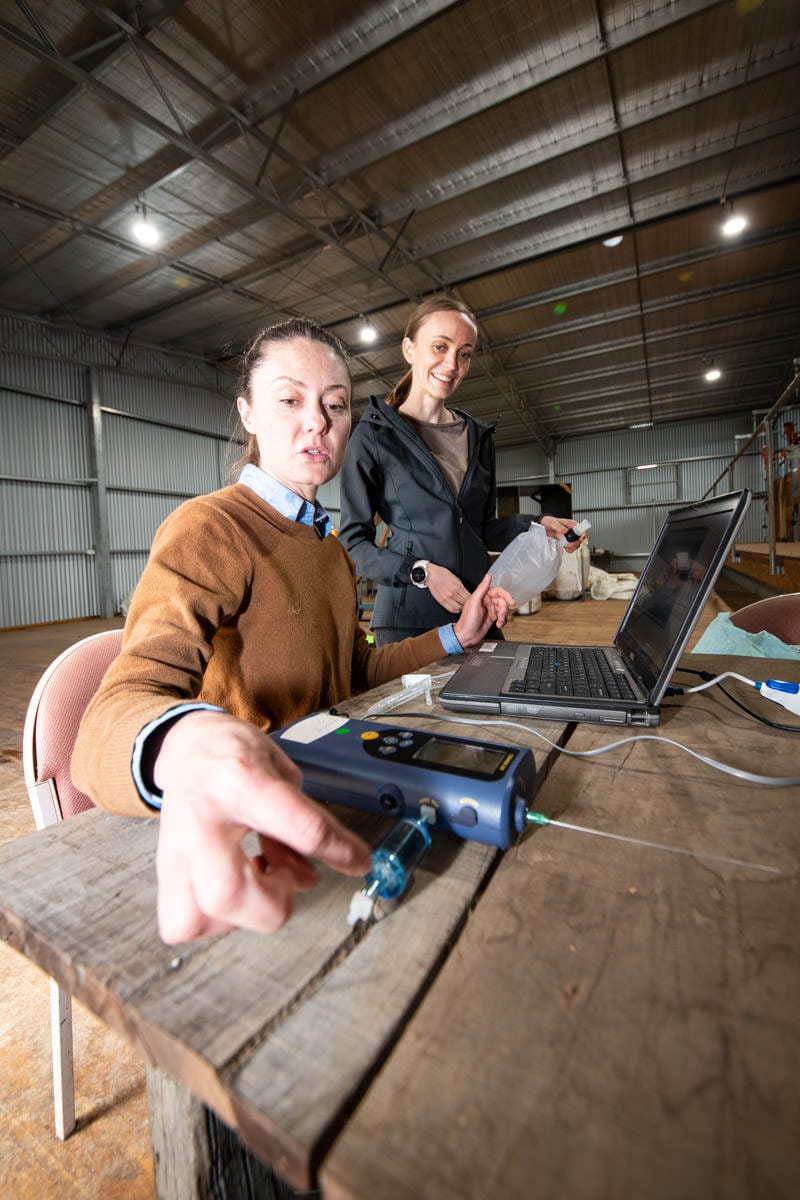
(572, 671)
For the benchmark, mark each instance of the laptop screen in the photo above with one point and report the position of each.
(675, 585)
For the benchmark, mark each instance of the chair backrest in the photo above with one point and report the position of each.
(51, 725)
(778, 615)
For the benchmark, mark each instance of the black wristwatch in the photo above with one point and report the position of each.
(419, 573)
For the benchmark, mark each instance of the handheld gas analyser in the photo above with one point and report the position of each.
(474, 789)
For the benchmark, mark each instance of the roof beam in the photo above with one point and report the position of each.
(770, 313)
(369, 32)
(533, 151)
(98, 56)
(216, 166)
(671, 263)
(321, 63)
(496, 87)
(780, 343)
(629, 312)
(246, 124)
(506, 216)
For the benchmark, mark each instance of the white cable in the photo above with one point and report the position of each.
(701, 687)
(773, 780)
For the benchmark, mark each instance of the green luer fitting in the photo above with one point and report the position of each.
(534, 818)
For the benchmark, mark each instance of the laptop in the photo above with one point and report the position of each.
(620, 684)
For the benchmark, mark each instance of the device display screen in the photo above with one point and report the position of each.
(466, 756)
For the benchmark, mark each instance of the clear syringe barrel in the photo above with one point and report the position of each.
(395, 858)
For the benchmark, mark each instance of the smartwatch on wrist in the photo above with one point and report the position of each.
(419, 573)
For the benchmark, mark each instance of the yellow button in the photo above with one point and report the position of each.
(369, 736)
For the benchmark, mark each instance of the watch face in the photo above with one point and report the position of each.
(418, 574)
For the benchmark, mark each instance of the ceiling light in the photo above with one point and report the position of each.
(647, 467)
(143, 229)
(368, 333)
(734, 226)
(612, 241)
(712, 375)
(642, 425)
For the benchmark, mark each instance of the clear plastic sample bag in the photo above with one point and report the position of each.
(528, 564)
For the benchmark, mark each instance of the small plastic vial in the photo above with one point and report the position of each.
(572, 535)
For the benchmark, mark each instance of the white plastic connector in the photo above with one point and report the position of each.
(361, 907)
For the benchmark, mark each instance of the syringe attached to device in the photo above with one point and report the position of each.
(394, 860)
(476, 790)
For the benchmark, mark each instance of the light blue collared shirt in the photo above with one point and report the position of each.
(287, 502)
(294, 508)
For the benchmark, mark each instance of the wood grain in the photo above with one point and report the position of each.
(615, 1020)
(278, 1035)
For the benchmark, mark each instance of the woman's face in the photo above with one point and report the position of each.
(440, 354)
(299, 411)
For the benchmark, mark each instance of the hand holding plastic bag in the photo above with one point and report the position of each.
(528, 564)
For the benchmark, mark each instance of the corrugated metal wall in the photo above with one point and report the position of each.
(166, 422)
(165, 426)
(626, 506)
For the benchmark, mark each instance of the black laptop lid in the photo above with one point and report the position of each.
(675, 585)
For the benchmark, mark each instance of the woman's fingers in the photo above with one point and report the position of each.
(222, 778)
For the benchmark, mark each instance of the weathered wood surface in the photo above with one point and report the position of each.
(278, 1034)
(197, 1157)
(614, 1021)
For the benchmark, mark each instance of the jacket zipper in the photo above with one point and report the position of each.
(418, 445)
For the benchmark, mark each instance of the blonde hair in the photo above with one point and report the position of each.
(426, 308)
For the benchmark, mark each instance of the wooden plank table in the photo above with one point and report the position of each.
(615, 1021)
(575, 1018)
(277, 1034)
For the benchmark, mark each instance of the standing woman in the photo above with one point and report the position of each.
(428, 472)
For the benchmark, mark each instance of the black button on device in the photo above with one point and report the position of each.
(466, 815)
(388, 802)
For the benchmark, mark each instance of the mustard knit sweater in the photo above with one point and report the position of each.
(240, 607)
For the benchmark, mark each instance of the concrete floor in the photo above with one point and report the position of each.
(109, 1154)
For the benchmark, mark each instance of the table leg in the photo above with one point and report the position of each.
(198, 1157)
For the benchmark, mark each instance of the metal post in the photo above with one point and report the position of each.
(102, 540)
(764, 423)
(732, 487)
(771, 522)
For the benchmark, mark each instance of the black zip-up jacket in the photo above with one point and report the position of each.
(389, 470)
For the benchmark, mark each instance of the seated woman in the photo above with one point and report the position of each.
(244, 620)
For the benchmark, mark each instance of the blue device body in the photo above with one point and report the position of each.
(474, 789)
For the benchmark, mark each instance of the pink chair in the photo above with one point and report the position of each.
(51, 726)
